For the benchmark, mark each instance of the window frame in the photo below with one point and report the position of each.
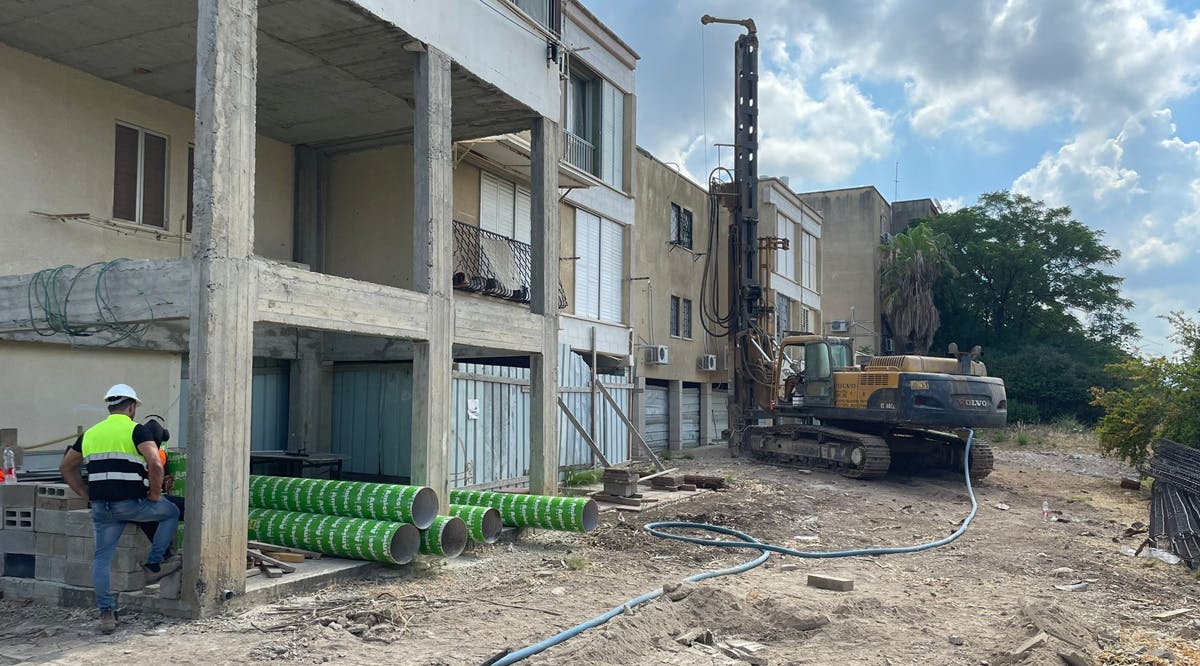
(680, 213)
(809, 263)
(140, 178)
(681, 318)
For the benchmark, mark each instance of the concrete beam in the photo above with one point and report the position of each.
(496, 325)
(223, 304)
(543, 365)
(295, 297)
(433, 261)
(133, 291)
(270, 341)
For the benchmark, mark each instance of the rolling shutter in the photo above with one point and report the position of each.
(523, 224)
(496, 205)
(612, 270)
(587, 266)
(125, 174)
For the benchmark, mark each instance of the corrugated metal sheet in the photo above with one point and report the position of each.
(658, 427)
(719, 413)
(690, 435)
(270, 392)
(372, 418)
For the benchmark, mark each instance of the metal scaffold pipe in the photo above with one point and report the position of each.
(376, 501)
(447, 537)
(484, 523)
(568, 514)
(355, 538)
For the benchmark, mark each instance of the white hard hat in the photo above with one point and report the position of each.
(121, 392)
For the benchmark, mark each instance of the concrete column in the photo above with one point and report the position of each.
(637, 405)
(675, 415)
(706, 420)
(311, 189)
(222, 303)
(543, 426)
(308, 404)
(433, 261)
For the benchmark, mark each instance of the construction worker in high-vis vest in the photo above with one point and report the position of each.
(124, 484)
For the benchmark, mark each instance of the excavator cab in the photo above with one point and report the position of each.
(804, 367)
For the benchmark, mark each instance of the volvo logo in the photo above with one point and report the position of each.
(977, 403)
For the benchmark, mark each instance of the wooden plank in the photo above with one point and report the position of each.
(291, 558)
(662, 472)
(267, 559)
(264, 547)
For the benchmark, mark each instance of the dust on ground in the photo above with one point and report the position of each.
(971, 602)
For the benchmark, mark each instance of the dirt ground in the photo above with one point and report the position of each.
(971, 602)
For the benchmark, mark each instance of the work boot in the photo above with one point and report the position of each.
(155, 572)
(108, 622)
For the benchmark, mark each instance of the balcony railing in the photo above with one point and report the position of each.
(494, 265)
(579, 152)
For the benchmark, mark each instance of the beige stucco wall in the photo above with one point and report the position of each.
(672, 272)
(56, 136)
(64, 388)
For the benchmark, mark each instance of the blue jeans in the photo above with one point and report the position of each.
(108, 520)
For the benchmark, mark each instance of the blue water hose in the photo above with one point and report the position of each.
(744, 541)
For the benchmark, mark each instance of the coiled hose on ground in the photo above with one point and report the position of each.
(744, 541)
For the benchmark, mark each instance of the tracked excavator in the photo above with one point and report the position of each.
(806, 399)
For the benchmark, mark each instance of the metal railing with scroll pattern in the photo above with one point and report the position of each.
(494, 265)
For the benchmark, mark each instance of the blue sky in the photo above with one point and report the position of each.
(1090, 104)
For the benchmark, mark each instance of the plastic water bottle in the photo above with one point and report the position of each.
(1045, 511)
(10, 466)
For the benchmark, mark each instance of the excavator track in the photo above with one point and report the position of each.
(852, 454)
(932, 449)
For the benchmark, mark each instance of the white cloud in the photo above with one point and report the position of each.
(1155, 252)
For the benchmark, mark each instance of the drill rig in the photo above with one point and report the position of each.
(823, 408)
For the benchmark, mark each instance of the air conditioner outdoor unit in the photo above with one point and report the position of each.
(707, 363)
(839, 326)
(658, 355)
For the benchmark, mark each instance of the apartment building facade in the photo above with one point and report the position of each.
(793, 284)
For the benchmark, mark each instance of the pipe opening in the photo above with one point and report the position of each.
(493, 525)
(424, 508)
(454, 537)
(591, 516)
(405, 543)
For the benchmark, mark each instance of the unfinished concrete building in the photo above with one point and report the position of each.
(263, 200)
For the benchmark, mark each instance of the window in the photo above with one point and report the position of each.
(681, 226)
(594, 133)
(785, 260)
(600, 267)
(681, 317)
(140, 176)
(505, 208)
(191, 178)
(783, 315)
(808, 261)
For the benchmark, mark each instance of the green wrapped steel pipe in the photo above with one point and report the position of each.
(177, 467)
(340, 536)
(375, 501)
(484, 523)
(569, 514)
(447, 536)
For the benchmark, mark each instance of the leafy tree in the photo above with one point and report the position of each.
(1025, 270)
(910, 266)
(1161, 398)
(1032, 287)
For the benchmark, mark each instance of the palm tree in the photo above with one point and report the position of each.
(910, 265)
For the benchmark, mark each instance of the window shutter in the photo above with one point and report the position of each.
(587, 266)
(523, 224)
(125, 174)
(617, 150)
(496, 205)
(612, 270)
(686, 314)
(154, 180)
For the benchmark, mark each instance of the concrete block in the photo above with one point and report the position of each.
(128, 560)
(56, 490)
(127, 582)
(18, 519)
(50, 568)
(80, 549)
(16, 588)
(133, 537)
(18, 495)
(52, 545)
(77, 595)
(61, 503)
(78, 573)
(18, 565)
(50, 521)
(171, 587)
(830, 583)
(18, 541)
(79, 524)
